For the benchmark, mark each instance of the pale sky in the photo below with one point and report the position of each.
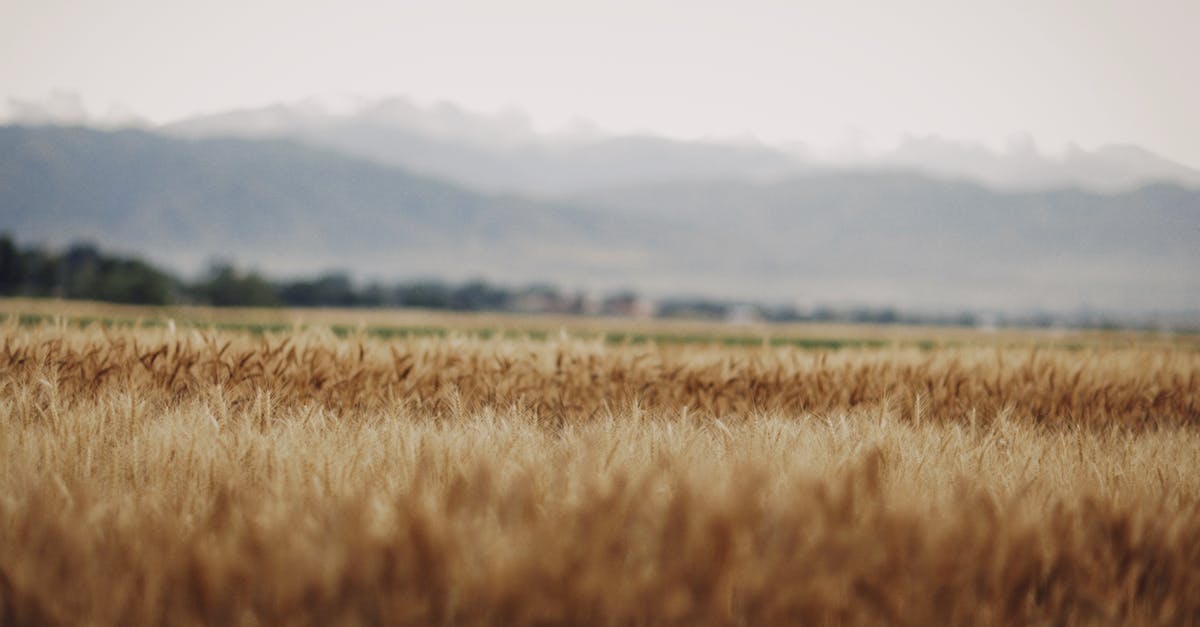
(1093, 72)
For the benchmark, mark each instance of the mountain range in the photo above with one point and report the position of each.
(889, 237)
(274, 203)
(494, 153)
(503, 152)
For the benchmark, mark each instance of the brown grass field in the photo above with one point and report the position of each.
(185, 475)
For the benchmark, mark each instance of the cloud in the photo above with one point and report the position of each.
(67, 108)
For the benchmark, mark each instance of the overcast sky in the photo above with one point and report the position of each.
(1094, 72)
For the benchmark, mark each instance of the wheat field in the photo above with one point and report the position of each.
(190, 476)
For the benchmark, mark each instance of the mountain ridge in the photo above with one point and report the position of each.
(229, 196)
(504, 152)
(895, 238)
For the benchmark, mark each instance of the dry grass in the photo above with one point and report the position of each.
(542, 323)
(158, 477)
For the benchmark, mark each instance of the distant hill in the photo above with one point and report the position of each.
(890, 238)
(1111, 168)
(901, 237)
(503, 152)
(284, 206)
(491, 152)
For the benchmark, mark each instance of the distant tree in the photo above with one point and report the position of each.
(80, 272)
(824, 314)
(133, 281)
(86, 273)
(225, 286)
(478, 295)
(12, 267)
(374, 295)
(426, 294)
(42, 273)
(330, 290)
(886, 315)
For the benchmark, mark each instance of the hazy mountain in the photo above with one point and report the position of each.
(281, 205)
(491, 152)
(503, 152)
(862, 237)
(67, 108)
(901, 237)
(1022, 167)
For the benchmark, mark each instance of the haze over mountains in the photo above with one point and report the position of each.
(503, 152)
(285, 207)
(496, 153)
(665, 217)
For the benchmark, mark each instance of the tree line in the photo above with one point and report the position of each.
(83, 271)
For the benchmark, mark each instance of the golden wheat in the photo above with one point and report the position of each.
(159, 476)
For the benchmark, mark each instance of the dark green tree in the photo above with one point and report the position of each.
(12, 267)
(225, 286)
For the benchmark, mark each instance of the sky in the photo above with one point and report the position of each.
(862, 73)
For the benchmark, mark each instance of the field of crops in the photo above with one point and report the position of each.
(174, 473)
